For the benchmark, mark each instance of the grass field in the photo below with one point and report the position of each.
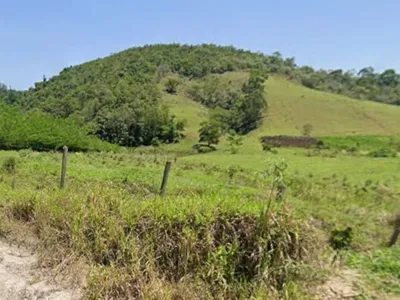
(251, 225)
(332, 192)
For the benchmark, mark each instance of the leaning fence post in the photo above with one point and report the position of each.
(64, 167)
(165, 178)
(396, 232)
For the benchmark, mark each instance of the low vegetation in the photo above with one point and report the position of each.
(39, 131)
(222, 232)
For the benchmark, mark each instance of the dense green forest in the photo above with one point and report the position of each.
(117, 98)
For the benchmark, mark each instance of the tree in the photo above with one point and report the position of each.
(171, 85)
(162, 71)
(210, 132)
(247, 112)
(389, 78)
(366, 72)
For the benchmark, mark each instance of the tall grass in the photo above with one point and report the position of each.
(212, 237)
(209, 242)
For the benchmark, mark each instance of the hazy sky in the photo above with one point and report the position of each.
(42, 37)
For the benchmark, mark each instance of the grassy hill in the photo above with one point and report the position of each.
(291, 106)
(120, 97)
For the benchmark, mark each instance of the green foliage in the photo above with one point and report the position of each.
(161, 72)
(366, 84)
(131, 126)
(210, 132)
(39, 131)
(95, 93)
(235, 141)
(155, 142)
(383, 152)
(171, 84)
(201, 148)
(341, 239)
(10, 165)
(10, 96)
(238, 110)
(266, 147)
(381, 267)
(247, 111)
(214, 92)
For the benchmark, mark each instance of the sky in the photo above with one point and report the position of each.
(42, 37)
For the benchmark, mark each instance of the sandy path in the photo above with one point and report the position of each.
(20, 280)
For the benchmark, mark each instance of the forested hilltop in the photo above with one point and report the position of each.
(118, 98)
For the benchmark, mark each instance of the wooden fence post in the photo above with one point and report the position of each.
(64, 167)
(165, 178)
(396, 232)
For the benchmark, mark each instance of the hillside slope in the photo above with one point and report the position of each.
(120, 98)
(291, 106)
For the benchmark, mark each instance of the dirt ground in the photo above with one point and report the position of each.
(21, 279)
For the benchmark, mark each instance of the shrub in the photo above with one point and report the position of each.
(341, 239)
(307, 129)
(352, 149)
(267, 147)
(10, 165)
(383, 152)
(235, 141)
(155, 142)
(202, 148)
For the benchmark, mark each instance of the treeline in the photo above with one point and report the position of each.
(366, 84)
(42, 132)
(96, 84)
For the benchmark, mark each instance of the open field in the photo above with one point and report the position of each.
(107, 192)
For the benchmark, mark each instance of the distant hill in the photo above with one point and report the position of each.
(121, 97)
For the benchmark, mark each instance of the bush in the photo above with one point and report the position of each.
(352, 149)
(307, 129)
(10, 165)
(341, 239)
(268, 147)
(202, 148)
(383, 152)
(155, 142)
(235, 141)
